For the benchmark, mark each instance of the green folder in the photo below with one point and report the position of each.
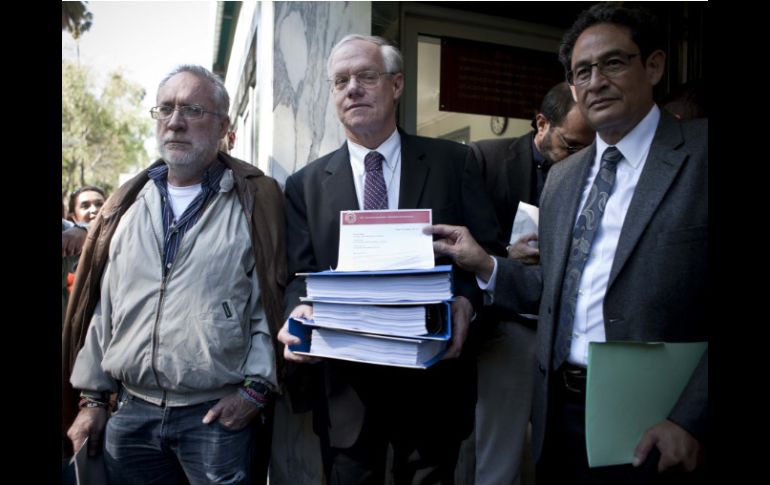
(632, 386)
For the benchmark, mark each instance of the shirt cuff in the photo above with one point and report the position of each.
(489, 286)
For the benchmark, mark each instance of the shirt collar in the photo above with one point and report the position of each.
(211, 179)
(389, 149)
(635, 145)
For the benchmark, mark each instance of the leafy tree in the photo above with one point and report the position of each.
(102, 133)
(76, 18)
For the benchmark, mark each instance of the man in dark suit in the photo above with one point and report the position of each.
(514, 170)
(646, 275)
(361, 408)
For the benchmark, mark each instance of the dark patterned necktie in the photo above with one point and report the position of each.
(375, 192)
(582, 238)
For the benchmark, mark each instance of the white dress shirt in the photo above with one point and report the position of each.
(391, 168)
(589, 316)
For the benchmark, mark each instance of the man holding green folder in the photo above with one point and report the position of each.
(623, 252)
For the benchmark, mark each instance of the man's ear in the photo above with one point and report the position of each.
(654, 66)
(224, 126)
(398, 85)
(542, 124)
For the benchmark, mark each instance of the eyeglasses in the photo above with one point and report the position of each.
(367, 79)
(610, 66)
(188, 112)
(569, 148)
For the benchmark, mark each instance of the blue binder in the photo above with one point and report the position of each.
(429, 342)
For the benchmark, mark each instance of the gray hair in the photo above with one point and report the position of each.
(394, 61)
(221, 98)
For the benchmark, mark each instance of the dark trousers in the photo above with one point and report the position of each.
(564, 459)
(417, 459)
(423, 414)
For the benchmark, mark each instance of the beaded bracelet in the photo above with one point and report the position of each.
(255, 392)
(257, 386)
(260, 403)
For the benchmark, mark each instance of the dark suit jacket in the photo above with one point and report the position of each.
(659, 281)
(435, 174)
(506, 167)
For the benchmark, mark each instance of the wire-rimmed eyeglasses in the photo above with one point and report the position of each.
(367, 79)
(569, 148)
(188, 112)
(610, 66)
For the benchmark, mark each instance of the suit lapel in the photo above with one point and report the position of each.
(338, 186)
(663, 164)
(414, 172)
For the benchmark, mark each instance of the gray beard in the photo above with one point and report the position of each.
(191, 163)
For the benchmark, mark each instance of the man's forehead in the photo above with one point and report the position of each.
(185, 86)
(602, 40)
(356, 54)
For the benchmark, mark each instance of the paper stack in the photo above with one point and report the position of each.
(361, 347)
(397, 318)
(394, 286)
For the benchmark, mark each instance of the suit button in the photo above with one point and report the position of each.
(549, 310)
(541, 368)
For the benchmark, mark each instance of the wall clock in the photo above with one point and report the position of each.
(498, 124)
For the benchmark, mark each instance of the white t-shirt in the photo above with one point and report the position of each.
(181, 197)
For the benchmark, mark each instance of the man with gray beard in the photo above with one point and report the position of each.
(176, 302)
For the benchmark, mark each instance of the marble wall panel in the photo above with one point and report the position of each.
(306, 125)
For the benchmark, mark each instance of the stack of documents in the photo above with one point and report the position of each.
(403, 320)
(386, 303)
(426, 285)
(376, 349)
(394, 317)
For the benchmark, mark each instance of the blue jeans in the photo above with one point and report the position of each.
(149, 444)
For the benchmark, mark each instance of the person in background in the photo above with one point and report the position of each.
(85, 203)
(361, 408)
(624, 233)
(514, 171)
(176, 300)
(70, 248)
